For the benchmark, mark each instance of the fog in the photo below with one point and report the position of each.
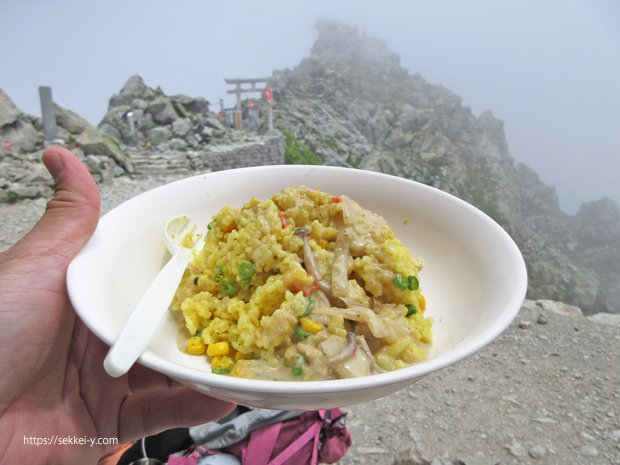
(550, 70)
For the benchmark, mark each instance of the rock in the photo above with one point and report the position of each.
(214, 123)
(192, 104)
(70, 121)
(25, 192)
(516, 449)
(396, 139)
(182, 127)
(110, 131)
(23, 135)
(18, 132)
(412, 119)
(597, 227)
(177, 144)
(93, 142)
(537, 452)
(380, 128)
(559, 308)
(101, 167)
(162, 111)
(588, 451)
(586, 288)
(37, 174)
(8, 110)
(159, 135)
(525, 324)
(134, 89)
(605, 318)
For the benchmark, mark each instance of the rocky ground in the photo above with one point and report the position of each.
(545, 392)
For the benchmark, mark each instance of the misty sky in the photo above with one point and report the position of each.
(549, 69)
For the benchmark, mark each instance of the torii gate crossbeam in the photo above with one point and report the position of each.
(239, 89)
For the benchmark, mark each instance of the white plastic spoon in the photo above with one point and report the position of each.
(146, 316)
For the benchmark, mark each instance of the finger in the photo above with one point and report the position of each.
(71, 215)
(149, 413)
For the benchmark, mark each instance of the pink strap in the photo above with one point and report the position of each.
(312, 432)
(182, 460)
(261, 444)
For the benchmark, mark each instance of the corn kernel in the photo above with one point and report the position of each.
(422, 302)
(218, 348)
(311, 326)
(221, 361)
(195, 346)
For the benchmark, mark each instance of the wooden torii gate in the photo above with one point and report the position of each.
(240, 89)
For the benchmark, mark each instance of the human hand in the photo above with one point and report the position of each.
(53, 379)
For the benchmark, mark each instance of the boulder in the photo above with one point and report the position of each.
(162, 111)
(94, 142)
(606, 319)
(70, 121)
(413, 119)
(214, 123)
(23, 135)
(177, 145)
(192, 104)
(134, 88)
(181, 127)
(559, 308)
(8, 110)
(159, 135)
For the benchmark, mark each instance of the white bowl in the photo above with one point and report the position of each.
(474, 277)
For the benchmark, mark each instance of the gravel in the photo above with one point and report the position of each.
(545, 392)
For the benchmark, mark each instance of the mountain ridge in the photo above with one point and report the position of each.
(353, 104)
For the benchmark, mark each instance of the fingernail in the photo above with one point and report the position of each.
(53, 163)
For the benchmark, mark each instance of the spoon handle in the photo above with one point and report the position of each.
(146, 317)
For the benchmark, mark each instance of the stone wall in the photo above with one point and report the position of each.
(269, 151)
(248, 151)
(24, 176)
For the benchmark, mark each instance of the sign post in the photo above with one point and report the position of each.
(48, 115)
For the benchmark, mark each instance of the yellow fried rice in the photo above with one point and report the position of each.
(303, 286)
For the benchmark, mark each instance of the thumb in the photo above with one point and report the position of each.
(71, 215)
